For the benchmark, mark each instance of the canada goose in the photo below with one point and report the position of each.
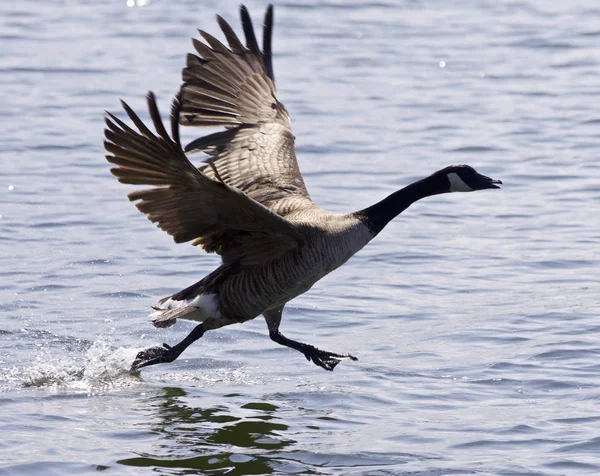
(248, 203)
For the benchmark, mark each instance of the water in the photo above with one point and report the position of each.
(474, 316)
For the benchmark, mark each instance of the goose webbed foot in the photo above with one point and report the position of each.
(153, 356)
(324, 359)
(166, 353)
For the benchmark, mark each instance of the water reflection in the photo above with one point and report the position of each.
(226, 439)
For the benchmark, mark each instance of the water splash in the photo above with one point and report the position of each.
(103, 368)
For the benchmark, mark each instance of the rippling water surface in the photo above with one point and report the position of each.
(474, 316)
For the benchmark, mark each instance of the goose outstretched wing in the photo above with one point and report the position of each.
(185, 202)
(234, 87)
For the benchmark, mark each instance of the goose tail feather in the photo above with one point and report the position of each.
(164, 317)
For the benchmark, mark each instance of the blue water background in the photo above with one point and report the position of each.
(474, 316)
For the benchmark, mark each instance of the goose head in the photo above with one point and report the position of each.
(464, 178)
(455, 178)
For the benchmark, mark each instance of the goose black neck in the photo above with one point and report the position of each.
(377, 216)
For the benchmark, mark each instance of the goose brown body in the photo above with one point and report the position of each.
(244, 292)
(248, 202)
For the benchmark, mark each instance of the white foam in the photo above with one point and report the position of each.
(102, 368)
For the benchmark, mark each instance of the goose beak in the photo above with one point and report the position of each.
(486, 182)
(494, 183)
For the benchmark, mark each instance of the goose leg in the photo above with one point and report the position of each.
(166, 353)
(322, 358)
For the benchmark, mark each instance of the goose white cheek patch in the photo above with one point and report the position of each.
(457, 184)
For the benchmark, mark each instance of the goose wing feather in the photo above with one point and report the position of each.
(185, 202)
(234, 86)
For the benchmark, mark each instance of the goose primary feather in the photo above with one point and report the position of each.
(248, 202)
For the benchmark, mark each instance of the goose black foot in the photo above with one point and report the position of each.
(154, 355)
(324, 359)
(166, 353)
